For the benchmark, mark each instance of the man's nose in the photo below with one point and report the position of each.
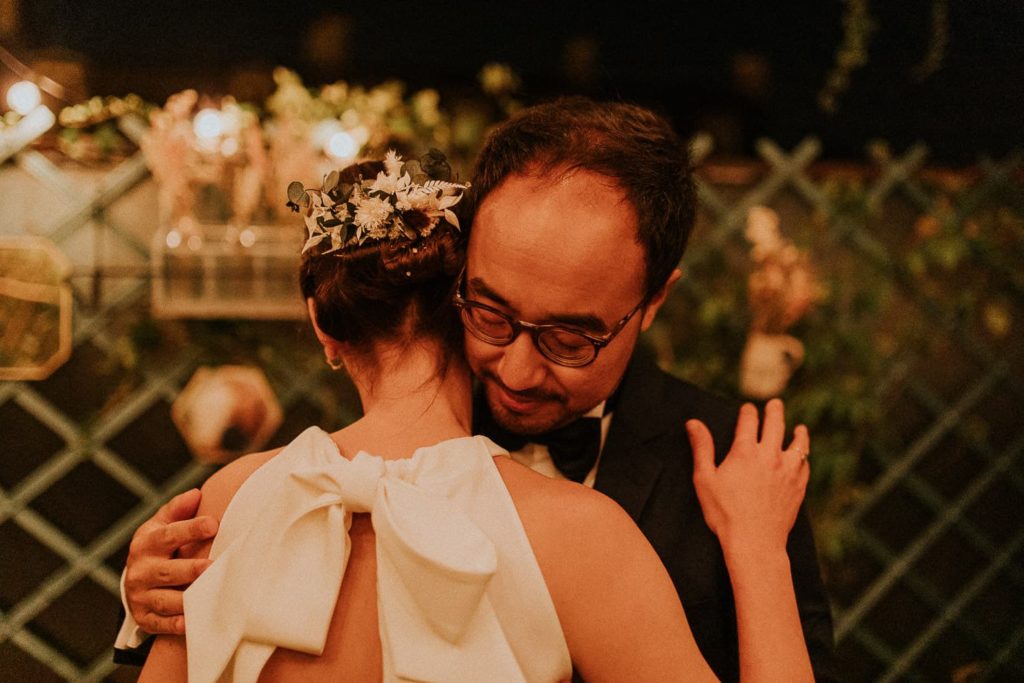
(522, 366)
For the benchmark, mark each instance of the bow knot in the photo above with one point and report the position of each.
(352, 483)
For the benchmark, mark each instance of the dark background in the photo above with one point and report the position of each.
(678, 56)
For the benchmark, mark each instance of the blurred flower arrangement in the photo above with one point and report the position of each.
(310, 132)
(208, 162)
(89, 130)
(780, 290)
(222, 162)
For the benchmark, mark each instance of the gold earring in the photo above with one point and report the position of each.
(335, 363)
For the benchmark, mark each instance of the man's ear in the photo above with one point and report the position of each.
(654, 305)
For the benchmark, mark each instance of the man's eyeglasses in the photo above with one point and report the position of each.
(560, 344)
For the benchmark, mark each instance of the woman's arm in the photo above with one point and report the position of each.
(750, 501)
(626, 621)
(167, 661)
(617, 606)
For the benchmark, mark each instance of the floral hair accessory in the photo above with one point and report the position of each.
(404, 202)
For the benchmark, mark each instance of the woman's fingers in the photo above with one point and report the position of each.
(774, 428)
(703, 445)
(800, 447)
(746, 427)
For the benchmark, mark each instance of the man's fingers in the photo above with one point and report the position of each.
(165, 602)
(774, 428)
(170, 538)
(155, 624)
(177, 572)
(746, 425)
(703, 445)
(182, 506)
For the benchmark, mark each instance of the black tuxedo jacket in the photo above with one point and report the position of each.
(647, 467)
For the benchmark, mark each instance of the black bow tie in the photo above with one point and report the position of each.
(573, 448)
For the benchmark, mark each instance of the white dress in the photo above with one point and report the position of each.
(460, 594)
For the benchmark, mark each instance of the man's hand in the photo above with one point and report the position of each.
(751, 500)
(154, 576)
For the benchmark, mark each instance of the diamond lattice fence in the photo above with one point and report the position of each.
(918, 440)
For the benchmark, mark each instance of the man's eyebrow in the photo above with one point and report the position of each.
(585, 321)
(481, 288)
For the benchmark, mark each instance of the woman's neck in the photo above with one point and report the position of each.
(408, 402)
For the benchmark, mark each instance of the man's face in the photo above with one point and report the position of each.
(554, 249)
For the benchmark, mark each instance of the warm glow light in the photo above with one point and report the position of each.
(229, 147)
(323, 132)
(173, 239)
(195, 242)
(247, 237)
(342, 146)
(208, 124)
(23, 97)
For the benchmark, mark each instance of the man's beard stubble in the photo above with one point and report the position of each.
(524, 423)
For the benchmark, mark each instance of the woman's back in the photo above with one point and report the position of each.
(616, 615)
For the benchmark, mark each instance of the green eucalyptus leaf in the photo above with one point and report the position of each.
(331, 181)
(436, 165)
(295, 191)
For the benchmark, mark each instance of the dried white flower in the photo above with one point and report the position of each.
(372, 213)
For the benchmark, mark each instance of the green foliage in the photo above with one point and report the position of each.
(900, 286)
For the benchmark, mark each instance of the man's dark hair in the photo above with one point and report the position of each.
(632, 145)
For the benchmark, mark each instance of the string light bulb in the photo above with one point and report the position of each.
(342, 146)
(208, 124)
(23, 97)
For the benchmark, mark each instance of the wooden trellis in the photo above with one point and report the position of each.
(90, 452)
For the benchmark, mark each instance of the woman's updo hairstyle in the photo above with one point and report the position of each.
(391, 290)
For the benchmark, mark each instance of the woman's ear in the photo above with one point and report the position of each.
(332, 349)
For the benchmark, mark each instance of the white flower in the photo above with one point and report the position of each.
(372, 214)
(391, 183)
(392, 163)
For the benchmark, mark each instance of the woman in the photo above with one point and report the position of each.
(468, 566)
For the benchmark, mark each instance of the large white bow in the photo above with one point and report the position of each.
(279, 564)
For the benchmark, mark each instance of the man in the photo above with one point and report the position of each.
(583, 210)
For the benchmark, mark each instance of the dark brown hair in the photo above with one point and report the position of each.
(629, 144)
(389, 291)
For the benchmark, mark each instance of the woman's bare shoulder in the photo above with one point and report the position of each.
(222, 485)
(562, 510)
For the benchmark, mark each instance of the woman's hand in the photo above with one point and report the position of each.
(751, 500)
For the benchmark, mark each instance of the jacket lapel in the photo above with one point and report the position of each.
(631, 462)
